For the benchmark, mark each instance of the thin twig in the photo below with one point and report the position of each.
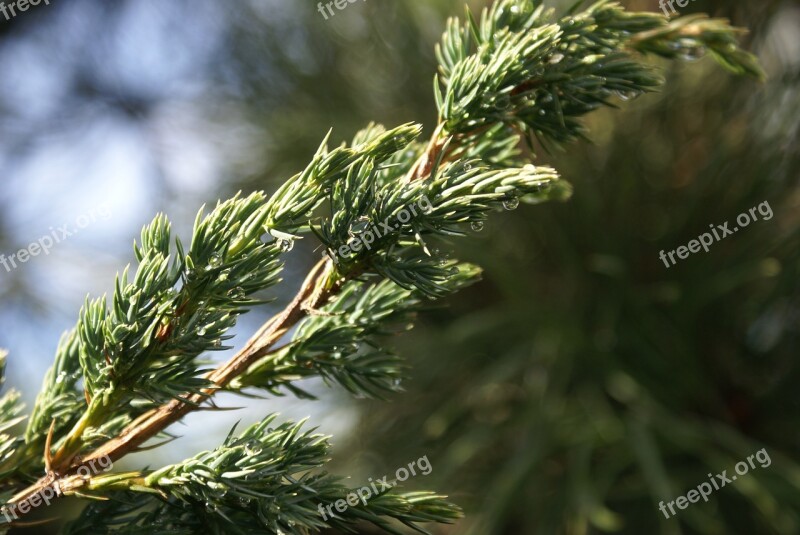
(314, 293)
(48, 458)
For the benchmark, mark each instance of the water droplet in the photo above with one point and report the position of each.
(215, 261)
(360, 225)
(61, 377)
(547, 98)
(511, 203)
(627, 95)
(285, 245)
(244, 501)
(236, 293)
(223, 276)
(253, 447)
(688, 49)
(190, 273)
(503, 102)
(477, 226)
(211, 507)
(692, 53)
(217, 343)
(453, 271)
(201, 331)
(396, 383)
(555, 58)
(542, 113)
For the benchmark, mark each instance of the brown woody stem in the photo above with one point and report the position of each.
(316, 290)
(318, 287)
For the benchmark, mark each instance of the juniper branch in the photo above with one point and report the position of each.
(133, 366)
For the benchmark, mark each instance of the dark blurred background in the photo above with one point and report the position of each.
(579, 384)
